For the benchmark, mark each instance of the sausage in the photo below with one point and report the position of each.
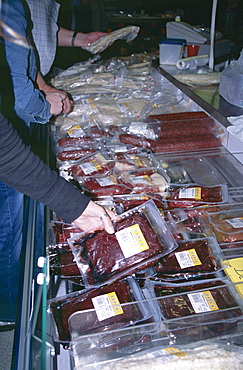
(185, 143)
(74, 154)
(178, 116)
(136, 140)
(75, 141)
(172, 130)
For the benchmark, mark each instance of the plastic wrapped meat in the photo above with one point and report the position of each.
(106, 256)
(180, 116)
(186, 304)
(199, 315)
(62, 262)
(74, 154)
(92, 322)
(191, 256)
(228, 230)
(103, 186)
(173, 144)
(144, 181)
(194, 195)
(92, 165)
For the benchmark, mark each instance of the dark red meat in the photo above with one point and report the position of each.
(208, 195)
(74, 154)
(75, 141)
(170, 265)
(104, 255)
(179, 116)
(185, 143)
(62, 309)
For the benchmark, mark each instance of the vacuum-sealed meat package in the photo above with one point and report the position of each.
(92, 165)
(201, 314)
(197, 257)
(141, 237)
(227, 225)
(99, 309)
(144, 181)
(193, 195)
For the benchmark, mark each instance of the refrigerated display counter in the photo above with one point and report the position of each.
(37, 344)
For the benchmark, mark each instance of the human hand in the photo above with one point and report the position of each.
(59, 102)
(84, 39)
(95, 216)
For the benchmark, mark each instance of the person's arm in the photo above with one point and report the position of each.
(65, 37)
(58, 99)
(25, 172)
(30, 103)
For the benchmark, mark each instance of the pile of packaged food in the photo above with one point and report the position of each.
(157, 291)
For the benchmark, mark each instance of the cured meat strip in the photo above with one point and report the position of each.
(173, 143)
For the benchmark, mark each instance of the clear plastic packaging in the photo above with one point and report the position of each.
(98, 310)
(200, 314)
(141, 238)
(150, 180)
(227, 225)
(194, 195)
(128, 33)
(199, 356)
(193, 259)
(95, 164)
(188, 223)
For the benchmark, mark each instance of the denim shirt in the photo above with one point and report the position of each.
(30, 103)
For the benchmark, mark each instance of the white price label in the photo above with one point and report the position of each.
(131, 240)
(192, 193)
(236, 223)
(107, 305)
(202, 302)
(187, 258)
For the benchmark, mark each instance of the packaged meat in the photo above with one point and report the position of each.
(149, 180)
(92, 165)
(193, 195)
(184, 143)
(188, 223)
(227, 225)
(180, 116)
(140, 239)
(201, 314)
(173, 144)
(99, 310)
(74, 154)
(103, 186)
(129, 162)
(193, 258)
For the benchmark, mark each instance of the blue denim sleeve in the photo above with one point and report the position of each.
(30, 103)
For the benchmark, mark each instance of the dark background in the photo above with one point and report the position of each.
(229, 22)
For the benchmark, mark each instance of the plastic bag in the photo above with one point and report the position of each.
(128, 33)
(231, 82)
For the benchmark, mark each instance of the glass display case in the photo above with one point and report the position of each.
(35, 346)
